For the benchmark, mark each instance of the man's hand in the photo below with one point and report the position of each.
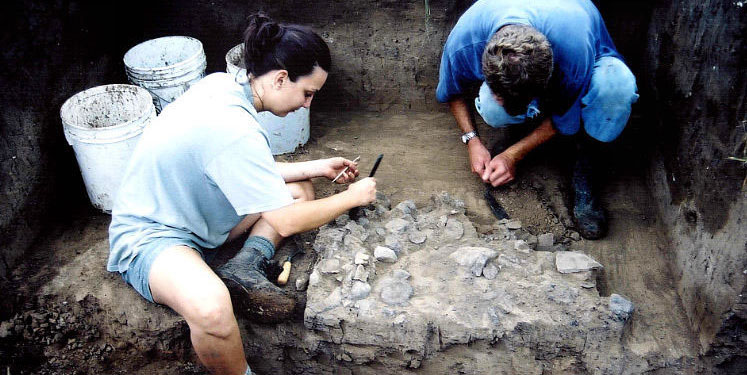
(500, 170)
(479, 156)
(363, 192)
(331, 167)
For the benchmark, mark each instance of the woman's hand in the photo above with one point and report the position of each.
(331, 167)
(363, 192)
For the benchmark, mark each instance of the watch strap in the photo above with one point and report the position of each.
(468, 135)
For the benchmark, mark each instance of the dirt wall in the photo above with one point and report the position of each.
(50, 51)
(695, 72)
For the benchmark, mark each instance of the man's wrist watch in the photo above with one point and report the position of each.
(468, 135)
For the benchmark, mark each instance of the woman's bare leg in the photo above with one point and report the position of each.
(180, 279)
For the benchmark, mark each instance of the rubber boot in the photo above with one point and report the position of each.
(252, 294)
(588, 215)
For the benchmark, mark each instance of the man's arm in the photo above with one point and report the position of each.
(306, 215)
(479, 156)
(503, 165)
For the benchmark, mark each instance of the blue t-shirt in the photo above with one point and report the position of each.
(198, 169)
(576, 33)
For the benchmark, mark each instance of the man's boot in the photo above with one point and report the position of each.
(588, 215)
(252, 294)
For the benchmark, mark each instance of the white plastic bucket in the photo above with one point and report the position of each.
(166, 67)
(286, 133)
(103, 124)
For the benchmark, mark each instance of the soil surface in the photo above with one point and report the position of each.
(422, 156)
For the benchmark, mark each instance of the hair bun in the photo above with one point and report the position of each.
(261, 37)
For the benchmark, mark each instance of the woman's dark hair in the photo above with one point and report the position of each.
(269, 45)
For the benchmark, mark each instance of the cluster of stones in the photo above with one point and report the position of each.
(417, 281)
(56, 325)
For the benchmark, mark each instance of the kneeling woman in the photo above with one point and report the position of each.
(203, 174)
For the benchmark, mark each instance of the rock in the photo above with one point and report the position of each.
(381, 231)
(363, 221)
(314, 277)
(545, 242)
(575, 236)
(416, 237)
(356, 230)
(395, 291)
(514, 224)
(473, 258)
(490, 271)
(442, 220)
(571, 261)
(349, 270)
(301, 283)
(406, 207)
(561, 293)
(620, 307)
(329, 241)
(334, 299)
(532, 240)
(400, 274)
(361, 274)
(454, 229)
(393, 243)
(385, 254)
(383, 200)
(522, 246)
(342, 219)
(361, 258)
(397, 226)
(6, 328)
(330, 266)
(505, 260)
(360, 290)
(558, 248)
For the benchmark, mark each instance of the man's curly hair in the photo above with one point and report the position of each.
(517, 64)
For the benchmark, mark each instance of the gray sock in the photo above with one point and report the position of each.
(262, 244)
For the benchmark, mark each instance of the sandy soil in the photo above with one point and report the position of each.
(423, 156)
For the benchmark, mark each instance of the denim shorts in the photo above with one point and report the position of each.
(138, 272)
(605, 106)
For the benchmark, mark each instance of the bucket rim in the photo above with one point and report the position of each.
(167, 80)
(229, 62)
(200, 53)
(142, 93)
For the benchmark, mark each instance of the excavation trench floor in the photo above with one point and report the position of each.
(422, 157)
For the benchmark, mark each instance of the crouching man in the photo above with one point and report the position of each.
(550, 63)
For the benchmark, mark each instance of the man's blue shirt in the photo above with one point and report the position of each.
(576, 33)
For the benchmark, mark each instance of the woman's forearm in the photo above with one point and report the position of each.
(299, 171)
(307, 215)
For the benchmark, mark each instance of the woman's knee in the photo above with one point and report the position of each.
(302, 190)
(211, 312)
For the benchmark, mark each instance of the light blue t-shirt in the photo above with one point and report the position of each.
(576, 33)
(198, 169)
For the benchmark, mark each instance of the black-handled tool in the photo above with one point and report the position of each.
(498, 211)
(376, 165)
